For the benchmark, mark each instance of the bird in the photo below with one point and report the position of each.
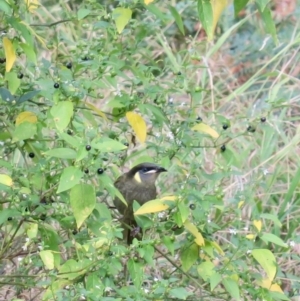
(137, 184)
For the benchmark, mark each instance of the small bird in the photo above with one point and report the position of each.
(137, 184)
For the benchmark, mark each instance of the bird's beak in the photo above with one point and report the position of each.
(161, 169)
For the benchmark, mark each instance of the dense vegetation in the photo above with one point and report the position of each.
(90, 89)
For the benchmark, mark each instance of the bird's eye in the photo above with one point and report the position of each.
(145, 169)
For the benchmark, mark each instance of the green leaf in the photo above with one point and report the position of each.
(215, 279)
(22, 28)
(82, 13)
(269, 237)
(47, 258)
(267, 260)
(156, 111)
(62, 113)
(232, 288)
(105, 145)
(177, 18)
(269, 23)
(122, 16)
(28, 96)
(13, 81)
(147, 252)
(83, 201)
(189, 256)
(63, 153)
(169, 243)
(157, 12)
(184, 211)
(230, 157)
(81, 153)
(71, 269)
(239, 5)
(205, 12)
(5, 7)
(32, 230)
(29, 51)
(136, 272)
(262, 4)
(73, 141)
(6, 213)
(283, 212)
(179, 293)
(6, 95)
(106, 183)
(50, 240)
(69, 178)
(24, 131)
(206, 269)
(272, 218)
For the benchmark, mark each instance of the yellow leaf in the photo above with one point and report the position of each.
(48, 259)
(169, 198)
(122, 16)
(267, 283)
(26, 116)
(96, 110)
(10, 54)
(218, 6)
(6, 180)
(202, 127)
(151, 207)
(257, 224)
(217, 247)
(148, 1)
(199, 240)
(250, 236)
(138, 125)
(240, 204)
(267, 261)
(32, 5)
(31, 230)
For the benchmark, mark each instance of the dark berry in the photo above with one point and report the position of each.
(192, 206)
(74, 232)
(100, 171)
(263, 119)
(9, 218)
(86, 170)
(70, 132)
(31, 155)
(199, 119)
(223, 148)
(225, 126)
(179, 73)
(69, 65)
(126, 144)
(88, 147)
(250, 129)
(56, 85)
(2, 60)
(20, 75)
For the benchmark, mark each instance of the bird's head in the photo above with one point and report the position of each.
(146, 173)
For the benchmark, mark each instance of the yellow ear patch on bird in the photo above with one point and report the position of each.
(137, 177)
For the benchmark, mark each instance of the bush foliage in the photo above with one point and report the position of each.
(90, 89)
